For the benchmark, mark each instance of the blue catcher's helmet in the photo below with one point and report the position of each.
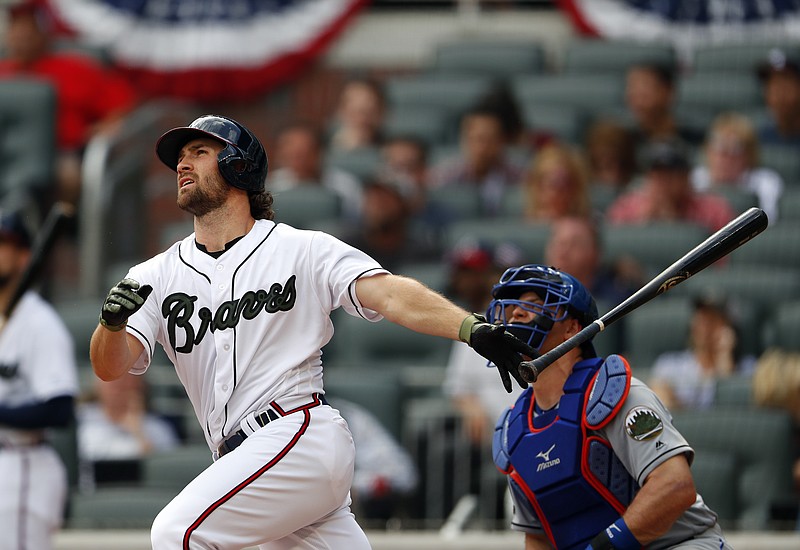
(562, 295)
(243, 161)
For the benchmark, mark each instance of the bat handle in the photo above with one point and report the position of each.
(531, 370)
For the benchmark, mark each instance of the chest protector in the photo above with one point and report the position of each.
(570, 478)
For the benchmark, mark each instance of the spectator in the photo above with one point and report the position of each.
(611, 155)
(555, 185)
(574, 246)
(650, 99)
(687, 379)
(119, 426)
(300, 161)
(780, 78)
(384, 470)
(90, 97)
(666, 194)
(359, 116)
(731, 161)
(385, 229)
(38, 382)
(482, 162)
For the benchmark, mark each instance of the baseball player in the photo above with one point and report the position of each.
(38, 382)
(242, 307)
(592, 458)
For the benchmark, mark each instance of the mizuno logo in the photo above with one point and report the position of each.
(545, 455)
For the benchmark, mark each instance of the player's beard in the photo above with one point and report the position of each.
(204, 196)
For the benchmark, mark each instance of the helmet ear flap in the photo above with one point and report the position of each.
(235, 168)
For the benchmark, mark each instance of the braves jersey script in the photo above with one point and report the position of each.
(642, 437)
(247, 328)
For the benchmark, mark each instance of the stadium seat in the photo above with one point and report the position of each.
(778, 245)
(719, 91)
(654, 246)
(760, 443)
(783, 326)
(451, 94)
(566, 123)
(594, 55)
(499, 59)
(80, 315)
(432, 274)
(739, 199)
(592, 92)
(734, 391)
(363, 162)
(530, 238)
(429, 124)
(789, 205)
(734, 57)
(304, 205)
(784, 160)
(27, 141)
(460, 202)
(174, 469)
(714, 475)
(117, 507)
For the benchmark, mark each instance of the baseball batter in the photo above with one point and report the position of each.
(242, 307)
(38, 382)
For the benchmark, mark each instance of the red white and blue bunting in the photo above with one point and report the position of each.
(208, 50)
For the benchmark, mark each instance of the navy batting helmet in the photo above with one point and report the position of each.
(562, 296)
(13, 229)
(243, 161)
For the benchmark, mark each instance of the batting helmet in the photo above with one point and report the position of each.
(13, 229)
(243, 161)
(562, 296)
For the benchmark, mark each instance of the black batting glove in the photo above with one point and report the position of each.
(122, 301)
(498, 346)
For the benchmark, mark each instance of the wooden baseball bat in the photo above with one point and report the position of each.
(40, 250)
(737, 232)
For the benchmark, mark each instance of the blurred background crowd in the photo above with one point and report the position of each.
(515, 132)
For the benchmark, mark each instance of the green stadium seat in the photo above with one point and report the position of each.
(734, 391)
(719, 91)
(591, 92)
(784, 326)
(714, 474)
(566, 123)
(432, 274)
(462, 203)
(760, 443)
(739, 199)
(654, 246)
(499, 59)
(789, 205)
(784, 160)
(778, 245)
(363, 162)
(529, 237)
(597, 55)
(451, 94)
(174, 469)
(27, 142)
(306, 204)
(117, 507)
(80, 316)
(733, 57)
(429, 124)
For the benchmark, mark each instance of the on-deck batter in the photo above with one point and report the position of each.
(242, 307)
(38, 382)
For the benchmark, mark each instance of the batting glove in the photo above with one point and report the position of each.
(498, 346)
(122, 301)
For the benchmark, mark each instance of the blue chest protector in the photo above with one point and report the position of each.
(571, 479)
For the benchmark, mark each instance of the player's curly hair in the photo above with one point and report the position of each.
(261, 205)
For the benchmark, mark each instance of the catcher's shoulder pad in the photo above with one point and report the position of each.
(608, 391)
(508, 431)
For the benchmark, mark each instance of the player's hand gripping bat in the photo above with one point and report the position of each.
(723, 242)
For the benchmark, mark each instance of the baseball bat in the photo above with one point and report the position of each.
(737, 232)
(40, 249)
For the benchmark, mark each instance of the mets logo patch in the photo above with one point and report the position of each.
(643, 423)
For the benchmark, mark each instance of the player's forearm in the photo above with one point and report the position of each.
(411, 304)
(110, 353)
(534, 542)
(668, 492)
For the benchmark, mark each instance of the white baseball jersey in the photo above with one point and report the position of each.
(245, 332)
(37, 363)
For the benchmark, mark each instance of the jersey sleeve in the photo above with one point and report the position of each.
(642, 434)
(53, 368)
(145, 323)
(337, 266)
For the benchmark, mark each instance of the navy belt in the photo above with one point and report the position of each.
(274, 412)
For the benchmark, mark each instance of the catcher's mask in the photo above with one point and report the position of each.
(562, 296)
(243, 161)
